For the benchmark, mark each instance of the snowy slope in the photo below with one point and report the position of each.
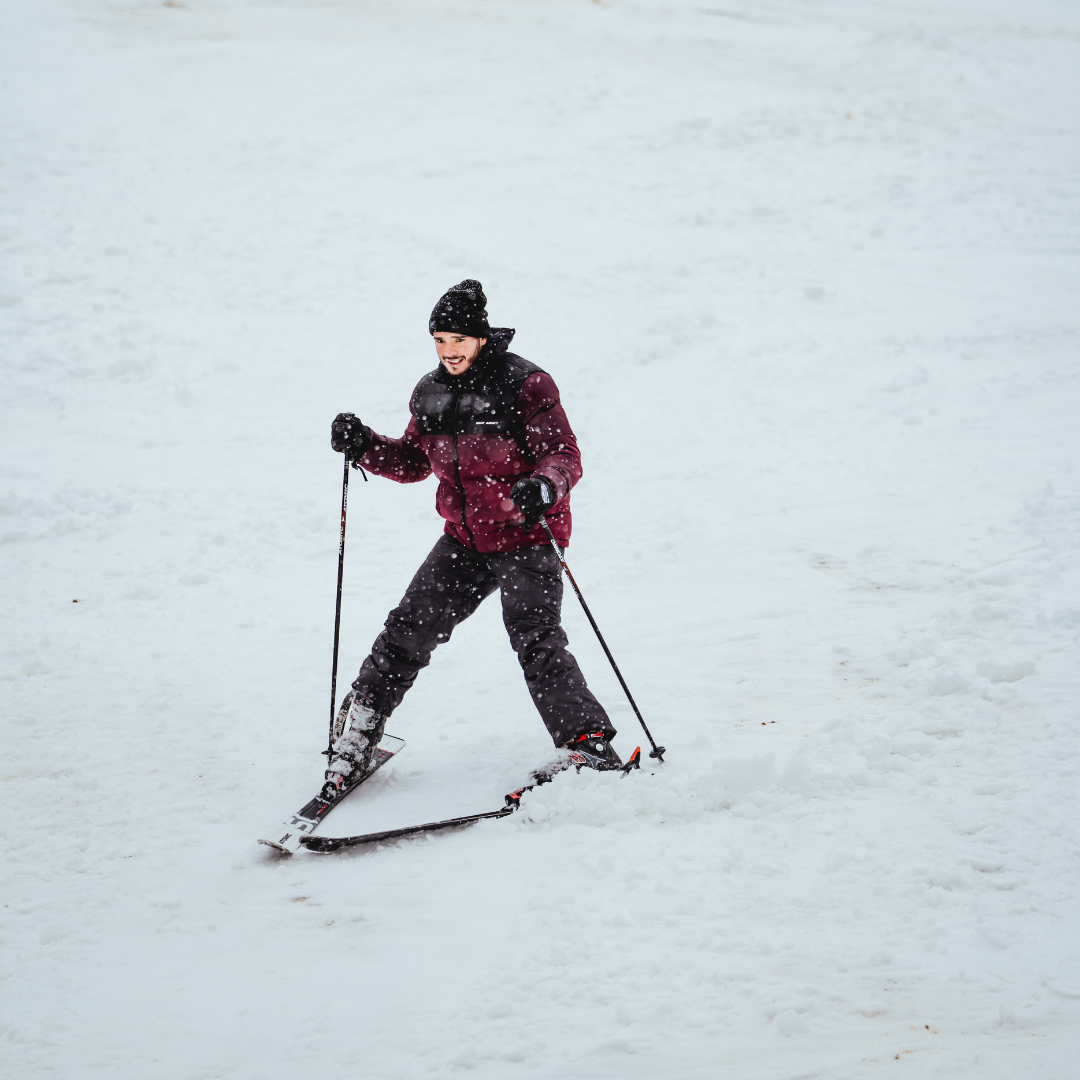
(805, 273)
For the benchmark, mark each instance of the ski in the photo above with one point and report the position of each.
(325, 844)
(336, 843)
(306, 820)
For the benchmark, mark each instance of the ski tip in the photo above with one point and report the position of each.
(633, 761)
(276, 846)
(320, 843)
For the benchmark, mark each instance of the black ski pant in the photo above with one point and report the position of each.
(449, 587)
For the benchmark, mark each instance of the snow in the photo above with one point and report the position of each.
(805, 272)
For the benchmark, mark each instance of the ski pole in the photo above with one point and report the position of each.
(337, 610)
(657, 751)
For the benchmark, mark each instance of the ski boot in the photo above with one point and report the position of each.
(359, 728)
(593, 751)
(590, 751)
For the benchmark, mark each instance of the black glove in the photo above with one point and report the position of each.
(532, 496)
(348, 436)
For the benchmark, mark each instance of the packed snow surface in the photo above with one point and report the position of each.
(806, 274)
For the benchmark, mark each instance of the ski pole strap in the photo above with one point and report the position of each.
(657, 751)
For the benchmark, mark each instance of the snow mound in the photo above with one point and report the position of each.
(674, 792)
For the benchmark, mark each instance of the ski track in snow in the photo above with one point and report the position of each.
(805, 274)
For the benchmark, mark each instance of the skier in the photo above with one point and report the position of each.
(490, 426)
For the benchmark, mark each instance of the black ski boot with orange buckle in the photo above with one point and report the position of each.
(593, 751)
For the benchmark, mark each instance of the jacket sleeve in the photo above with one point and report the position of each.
(401, 459)
(548, 436)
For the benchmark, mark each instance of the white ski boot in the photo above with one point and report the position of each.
(361, 729)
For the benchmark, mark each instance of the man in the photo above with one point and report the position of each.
(490, 426)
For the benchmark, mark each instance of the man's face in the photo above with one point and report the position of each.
(457, 351)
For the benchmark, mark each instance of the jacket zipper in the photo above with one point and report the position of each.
(457, 472)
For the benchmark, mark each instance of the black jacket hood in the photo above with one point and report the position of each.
(499, 342)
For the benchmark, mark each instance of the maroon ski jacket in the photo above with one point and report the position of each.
(479, 433)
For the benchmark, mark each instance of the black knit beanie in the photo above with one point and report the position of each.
(462, 310)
